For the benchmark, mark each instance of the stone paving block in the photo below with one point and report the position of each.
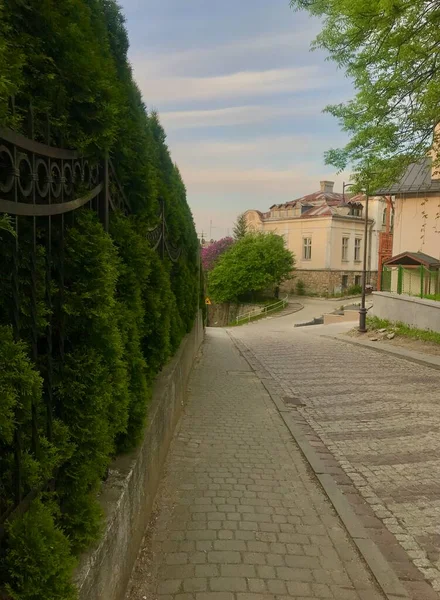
(297, 588)
(225, 558)
(177, 558)
(289, 574)
(195, 584)
(207, 570)
(169, 586)
(238, 571)
(228, 584)
(257, 586)
(307, 562)
(275, 560)
(182, 597)
(230, 545)
(239, 514)
(382, 431)
(215, 596)
(254, 558)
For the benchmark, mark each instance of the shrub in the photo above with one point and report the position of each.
(92, 395)
(254, 263)
(38, 562)
(121, 311)
(211, 253)
(300, 287)
(354, 290)
(135, 265)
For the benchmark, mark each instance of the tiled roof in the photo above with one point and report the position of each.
(321, 198)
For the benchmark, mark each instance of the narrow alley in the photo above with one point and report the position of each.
(240, 514)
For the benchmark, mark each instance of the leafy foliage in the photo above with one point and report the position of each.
(240, 227)
(211, 253)
(390, 50)
(253, 264)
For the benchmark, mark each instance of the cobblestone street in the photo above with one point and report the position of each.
(240, 514)
(376, 418)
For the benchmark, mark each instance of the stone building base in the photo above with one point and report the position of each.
(326, 281)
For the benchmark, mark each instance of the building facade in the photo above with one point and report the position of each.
(325, 231)
(417, 210)
(413, 268)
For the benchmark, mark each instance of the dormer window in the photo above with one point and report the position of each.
(355, 211)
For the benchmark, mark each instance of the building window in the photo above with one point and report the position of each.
(357, 280)
(344, 282)
(345, 242)
(307, 248)
(356, 211)
(392, 220)
(357, 249)
(384, 217)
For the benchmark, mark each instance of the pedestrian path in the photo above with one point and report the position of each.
(239, 515)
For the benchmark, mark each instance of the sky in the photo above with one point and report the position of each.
(240, 96)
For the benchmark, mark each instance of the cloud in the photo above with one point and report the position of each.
(235, 115)
(260, 151)
(167, 90)
(301, 179)
(195, 58)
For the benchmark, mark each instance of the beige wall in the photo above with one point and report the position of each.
(294, 231)
(326, 234)
(341, 229)
(409, 234)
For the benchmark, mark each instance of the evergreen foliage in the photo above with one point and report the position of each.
(240, 227)
(122, 308)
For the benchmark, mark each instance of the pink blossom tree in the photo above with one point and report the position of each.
(211, 253)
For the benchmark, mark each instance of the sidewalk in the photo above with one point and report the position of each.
(240, 515)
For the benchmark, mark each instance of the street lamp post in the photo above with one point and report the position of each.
(345, 185)
(363, 309)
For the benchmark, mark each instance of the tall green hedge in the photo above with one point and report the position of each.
(122, 310)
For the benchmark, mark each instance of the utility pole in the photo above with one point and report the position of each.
(211, 227)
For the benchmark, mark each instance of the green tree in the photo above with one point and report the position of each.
(255, 263)
(240, 227)
(391, 52)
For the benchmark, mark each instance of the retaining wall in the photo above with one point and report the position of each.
(415, 312)
(128, 494)
(222, 315)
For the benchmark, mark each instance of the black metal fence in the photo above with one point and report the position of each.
(41, 187)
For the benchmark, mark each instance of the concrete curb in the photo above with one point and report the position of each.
(377, 563)
(410, 355)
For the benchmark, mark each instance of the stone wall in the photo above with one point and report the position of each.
(128, 494)
(222, 315)
(325, 281)
(415, 312)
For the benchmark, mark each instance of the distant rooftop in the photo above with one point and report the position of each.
(324, 196)
(417, 178)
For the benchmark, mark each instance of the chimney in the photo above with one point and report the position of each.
(327, 186)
